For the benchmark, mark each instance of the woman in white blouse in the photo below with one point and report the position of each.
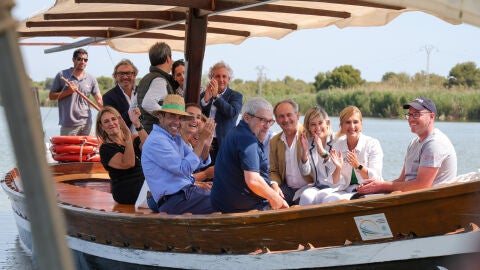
(318, 157)
(362, 156)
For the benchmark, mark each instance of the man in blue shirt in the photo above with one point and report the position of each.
(241, 181)
(168, 162)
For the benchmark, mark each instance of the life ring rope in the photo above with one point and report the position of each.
(75, 148)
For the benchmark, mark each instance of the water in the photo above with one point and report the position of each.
(394, 136)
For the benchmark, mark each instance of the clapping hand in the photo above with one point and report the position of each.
(318, 142)
(124, 129)
(134, 115)
(212, 90)
(304, 141)
(352, 159)
(206, 134)
(336, 157)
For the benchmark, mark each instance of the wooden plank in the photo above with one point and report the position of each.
(93, 199)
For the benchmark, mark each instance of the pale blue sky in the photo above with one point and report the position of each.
(398, 47)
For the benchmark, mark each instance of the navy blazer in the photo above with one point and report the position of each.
(229, 105)
(115, 98)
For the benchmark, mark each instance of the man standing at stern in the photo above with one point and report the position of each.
(75, 117)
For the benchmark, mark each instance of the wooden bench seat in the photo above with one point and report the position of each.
(94, 199)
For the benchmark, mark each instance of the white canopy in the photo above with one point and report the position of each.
(135, 27)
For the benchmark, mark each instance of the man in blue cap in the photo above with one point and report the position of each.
(430, 160)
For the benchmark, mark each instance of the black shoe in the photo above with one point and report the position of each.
(357, 196)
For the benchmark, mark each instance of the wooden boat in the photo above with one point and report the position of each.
(427, 227)
(105, 235)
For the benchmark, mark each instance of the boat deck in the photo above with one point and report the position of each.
(90, 198)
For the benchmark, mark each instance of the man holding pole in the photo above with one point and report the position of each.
(72, 87)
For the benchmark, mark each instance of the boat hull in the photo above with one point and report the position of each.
(414, 230)
(424, 253)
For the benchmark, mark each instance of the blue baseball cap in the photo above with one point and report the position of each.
(421, 103)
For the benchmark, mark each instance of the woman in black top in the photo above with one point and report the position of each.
(120, 153)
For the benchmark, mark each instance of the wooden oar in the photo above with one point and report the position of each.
(80, 94)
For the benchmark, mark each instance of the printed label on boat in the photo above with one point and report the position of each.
(373, 227)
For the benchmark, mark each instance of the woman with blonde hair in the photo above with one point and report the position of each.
(120, 152)
(362, 155)
(322, 162)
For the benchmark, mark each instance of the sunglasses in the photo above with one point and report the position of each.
(81, 59)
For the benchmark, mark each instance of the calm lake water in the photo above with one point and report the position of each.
(394, 136)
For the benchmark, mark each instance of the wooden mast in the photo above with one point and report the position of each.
(195, 42)
(47, 224)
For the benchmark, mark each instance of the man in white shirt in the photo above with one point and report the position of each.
(286, 153)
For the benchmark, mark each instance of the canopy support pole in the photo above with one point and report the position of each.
(195, 41)
(47, 224)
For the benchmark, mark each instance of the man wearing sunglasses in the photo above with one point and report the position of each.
(430, 160)
(75, 117)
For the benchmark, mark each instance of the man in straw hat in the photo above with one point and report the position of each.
(168, 162)
(430, 160)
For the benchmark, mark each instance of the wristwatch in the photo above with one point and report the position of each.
(324, 154)
(139, 128)
(360, 167)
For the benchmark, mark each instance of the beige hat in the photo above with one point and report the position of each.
(174, 104)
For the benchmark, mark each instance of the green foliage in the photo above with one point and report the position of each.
(459, 105)
(402, 80)
(375, 99)
(105, 83)
(435, 81)
(465, 74)
(341, 77)
(396, 79)
(319, 81)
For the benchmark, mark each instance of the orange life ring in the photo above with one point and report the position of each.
(74, 140)
(73, 149)
(76, 158)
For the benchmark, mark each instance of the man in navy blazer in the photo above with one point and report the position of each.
(123, 94)
(221, 103)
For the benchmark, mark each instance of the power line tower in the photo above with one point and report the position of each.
(260, 78)
(428, 50)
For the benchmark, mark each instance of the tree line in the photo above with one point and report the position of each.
(456, 95)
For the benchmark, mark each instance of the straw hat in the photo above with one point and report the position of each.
(174, 104)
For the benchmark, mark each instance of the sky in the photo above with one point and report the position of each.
(400, 46)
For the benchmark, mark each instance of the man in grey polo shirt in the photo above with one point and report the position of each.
(75, 117)
(430, 160)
